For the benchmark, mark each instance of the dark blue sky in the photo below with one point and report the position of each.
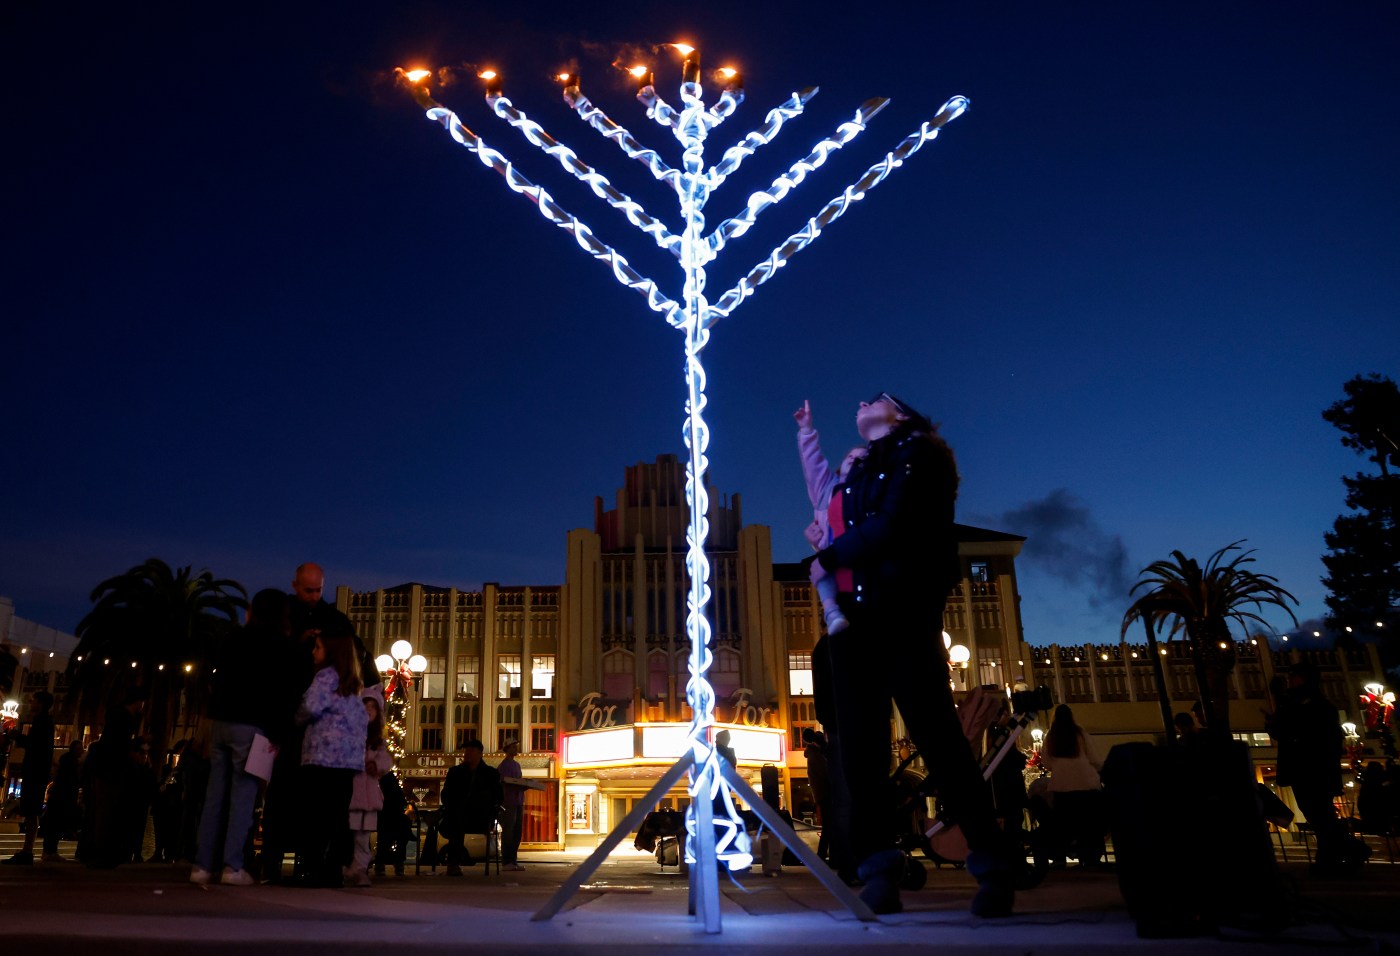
(259, 310)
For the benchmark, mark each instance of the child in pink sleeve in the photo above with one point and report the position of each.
(822, 481)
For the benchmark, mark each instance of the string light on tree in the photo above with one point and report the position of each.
(399, 667)
(713, 838)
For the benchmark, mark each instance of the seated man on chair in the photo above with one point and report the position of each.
(471, 793)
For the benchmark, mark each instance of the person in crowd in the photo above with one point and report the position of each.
(137, 799)
(897, 538)
(1372, 801)
(395, 827)
(471, 794)
(366, 798)
(169, 802)
(1078, 813)
(63, 812)
(109, 773)
(822, 480)
(241, 706)
(1187, 730)
(1310, 748)
(332, 753)
(818, 778)
(311, 613)
(308, 615)
(512, 807)
(37, 766)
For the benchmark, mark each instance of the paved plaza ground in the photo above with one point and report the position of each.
(631, 905)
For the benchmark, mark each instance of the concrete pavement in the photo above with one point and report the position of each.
(629, 906)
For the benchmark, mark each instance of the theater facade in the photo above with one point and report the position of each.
(590, 675)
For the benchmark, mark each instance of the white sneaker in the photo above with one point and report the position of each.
(199, 875)
(232, 877)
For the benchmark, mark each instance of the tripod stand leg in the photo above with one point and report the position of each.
(815, 865)
(625, 826)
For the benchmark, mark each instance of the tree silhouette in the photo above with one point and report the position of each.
(1201, 602)
(1363, 565)
(152, 627)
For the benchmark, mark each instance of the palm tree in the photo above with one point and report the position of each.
(1201, 602)
(152, 627)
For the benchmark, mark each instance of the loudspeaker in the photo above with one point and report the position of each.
(1189, 839)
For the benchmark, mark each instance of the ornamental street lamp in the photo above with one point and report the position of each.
(399, 667)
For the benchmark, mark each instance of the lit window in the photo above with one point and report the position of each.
(542, 677)
(800, 675)
(508, 677)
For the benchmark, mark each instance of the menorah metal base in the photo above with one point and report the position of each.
(704, 875)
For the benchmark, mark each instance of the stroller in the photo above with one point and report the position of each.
(939, 839)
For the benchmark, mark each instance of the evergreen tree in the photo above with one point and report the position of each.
(1363, 565)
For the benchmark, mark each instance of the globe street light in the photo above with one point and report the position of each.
(399, 667)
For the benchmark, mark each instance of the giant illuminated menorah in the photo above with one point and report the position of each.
(710, 839)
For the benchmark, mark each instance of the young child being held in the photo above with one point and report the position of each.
(822, 481)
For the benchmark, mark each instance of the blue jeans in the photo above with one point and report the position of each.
(228, 803)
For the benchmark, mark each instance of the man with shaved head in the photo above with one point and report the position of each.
(310, 615)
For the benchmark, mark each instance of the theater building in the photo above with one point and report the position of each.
(590, 676)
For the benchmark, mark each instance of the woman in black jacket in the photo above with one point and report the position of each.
(897, 539)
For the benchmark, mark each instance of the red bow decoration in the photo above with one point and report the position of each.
(401, 677)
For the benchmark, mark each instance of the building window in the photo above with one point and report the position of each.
(618, 677)
(461, 735)
(542, 740)
(542, 677)
(658, 671)
(800, 675)
(724, 674)
(977, 572)
(435, 679)
(430, 738)
(508, 677)
(468, 678)
(505, 735)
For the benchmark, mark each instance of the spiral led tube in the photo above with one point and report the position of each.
(586, 174)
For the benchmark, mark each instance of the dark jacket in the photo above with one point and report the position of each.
(38, 750)
(898, 538)
(320, 617)
(250, 671)
(470, 798)
(1310, 741)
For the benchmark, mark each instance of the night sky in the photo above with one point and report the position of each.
(258, 310)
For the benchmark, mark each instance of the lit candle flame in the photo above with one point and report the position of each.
(563, 77)
(684, 48)
(487, 74)
(638, 71)
(417, 76)
(728, 72)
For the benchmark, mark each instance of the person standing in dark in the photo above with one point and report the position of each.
(240, 708)
(471, 792)
(1310, 748)
(818, 778)
(309, 615)
(169, 802)
(512, 806)
(898, 540)
(332, 753)
(37, 742)
(109, 773)
(62, 813)
(395, 829)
